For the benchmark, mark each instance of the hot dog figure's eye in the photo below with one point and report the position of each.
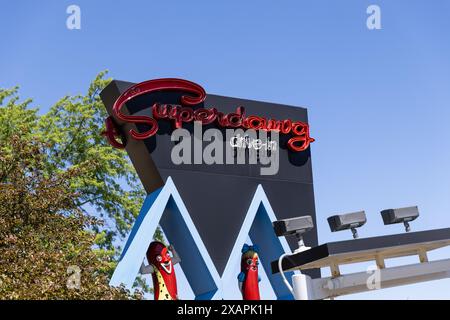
(257, 262)
(158, 258)
(167, 255)
(249, 261)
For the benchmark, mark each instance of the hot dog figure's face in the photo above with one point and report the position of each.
(250, 263)
(159, 256)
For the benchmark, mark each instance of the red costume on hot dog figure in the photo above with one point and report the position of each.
(248, 278)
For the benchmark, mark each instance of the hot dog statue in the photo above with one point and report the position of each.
(248, 278)
(161, 266)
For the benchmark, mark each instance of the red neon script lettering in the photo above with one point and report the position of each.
(184, 113)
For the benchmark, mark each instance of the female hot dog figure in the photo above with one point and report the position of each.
(161, 267)
(248, 278)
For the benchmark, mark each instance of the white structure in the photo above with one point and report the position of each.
(377, 249)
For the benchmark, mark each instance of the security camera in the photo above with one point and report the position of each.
(400, 215)
(347, 221)
(294, 226)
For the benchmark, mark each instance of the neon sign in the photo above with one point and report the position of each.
(185, 113)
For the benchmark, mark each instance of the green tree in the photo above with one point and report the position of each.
(46, 242)
(105, 185)
(72, 128)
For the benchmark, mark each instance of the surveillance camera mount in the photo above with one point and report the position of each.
(354, 233)
(407, 226)
(300, 242)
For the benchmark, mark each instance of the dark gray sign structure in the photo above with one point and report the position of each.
(218, 196)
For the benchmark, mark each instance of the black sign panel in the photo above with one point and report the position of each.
(218, 196)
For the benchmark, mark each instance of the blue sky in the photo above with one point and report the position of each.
(378, 100)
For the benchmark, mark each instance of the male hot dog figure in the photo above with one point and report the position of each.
(161, 267)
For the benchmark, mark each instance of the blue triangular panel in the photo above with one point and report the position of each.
(258, 226)
(165, 207)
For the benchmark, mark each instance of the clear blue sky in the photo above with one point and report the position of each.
(378, 101)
